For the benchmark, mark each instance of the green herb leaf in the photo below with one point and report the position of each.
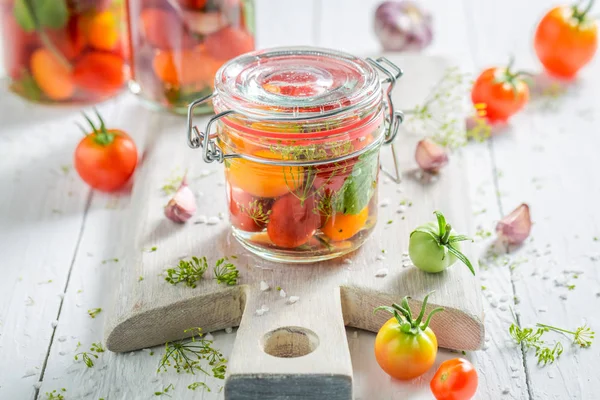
(37, 14)
(360, 186)
(23, 15)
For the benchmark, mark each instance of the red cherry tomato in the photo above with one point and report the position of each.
(248, 213)
(455, 379)
(566, 39)
(106, 158)
(502, 92)
(292, 223)
(100, 73)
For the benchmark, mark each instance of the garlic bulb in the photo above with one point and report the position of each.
(403, 26)
(430, 156)
(183, 204)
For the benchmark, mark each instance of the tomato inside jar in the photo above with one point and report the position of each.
(299, 131)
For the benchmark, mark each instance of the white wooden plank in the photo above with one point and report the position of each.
(38, 199)
(544, 159)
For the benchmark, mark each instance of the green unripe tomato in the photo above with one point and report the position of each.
(427, 254)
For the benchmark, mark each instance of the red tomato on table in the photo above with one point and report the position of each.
(502, 92)
(455, 379)
(566, 39)
(106, 158)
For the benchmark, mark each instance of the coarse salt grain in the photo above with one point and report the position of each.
(380, 257)
(62, 338)
(347, 261)
(293, 299)
(385, 202)
(282, 293)
(209, 336)
(381, 272)
(563, 296)
(37, 385)
(212, 221)
(54, 323)
(504, 298)
(260, 312)
(401, 209)
(264, 286)
(228, 330)
(201, 219)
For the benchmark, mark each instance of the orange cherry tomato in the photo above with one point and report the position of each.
(263, 180)
(343, 226)
(102, 31)
(406, 348)
(292, 222)
(106, 158)
(502, 92)
(52, 77)
(455, 379)
(185, 67)
(247, 212)
(566, 39)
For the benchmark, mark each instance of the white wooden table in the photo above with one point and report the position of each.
(55, 232)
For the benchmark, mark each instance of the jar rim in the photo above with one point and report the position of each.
(296, 84)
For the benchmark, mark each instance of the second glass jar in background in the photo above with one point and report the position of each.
(64, 51)
(178, 46)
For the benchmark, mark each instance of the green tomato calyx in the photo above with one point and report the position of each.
(580, 15)
(101, 135)
(444, 237)
(404, 317)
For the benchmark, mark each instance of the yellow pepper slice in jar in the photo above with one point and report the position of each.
(263, 180)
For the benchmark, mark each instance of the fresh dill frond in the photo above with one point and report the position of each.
(188, 272)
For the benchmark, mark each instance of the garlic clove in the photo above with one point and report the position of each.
(430, 156)
(403, 26)
(183, 204)
(516, 226)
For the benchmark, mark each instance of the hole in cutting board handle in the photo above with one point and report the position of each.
(290, 342)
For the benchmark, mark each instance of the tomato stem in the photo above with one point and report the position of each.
(446, 234)
(407, 324)
(101, 136)
(580, 16)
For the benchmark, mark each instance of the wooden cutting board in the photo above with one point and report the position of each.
(294, 350)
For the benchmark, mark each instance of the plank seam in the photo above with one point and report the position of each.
(511, 272)
(62, 300)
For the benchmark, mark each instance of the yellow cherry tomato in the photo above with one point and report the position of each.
(264, 180)
(343, 226)
(406, 348)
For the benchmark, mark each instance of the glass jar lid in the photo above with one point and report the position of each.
(296, 83)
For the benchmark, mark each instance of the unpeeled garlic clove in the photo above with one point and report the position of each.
(516, 226)
(183, 204)
(430, 156)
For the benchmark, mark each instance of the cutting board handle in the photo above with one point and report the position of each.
(301, 351)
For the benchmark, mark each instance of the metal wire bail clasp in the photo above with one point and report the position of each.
(205, 139)
(393, 118)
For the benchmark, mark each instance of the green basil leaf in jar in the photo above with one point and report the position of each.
(360, 186)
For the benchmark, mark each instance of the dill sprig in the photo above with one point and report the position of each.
(172, 184)
(225, 272)
(187, 356)
(196, 385)
(256, 212)
(94, 311)
(437, 116)
(88, 357)
(531, 338)
(188, 272)
(582, 336)
(56, 395)
(165, 391)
